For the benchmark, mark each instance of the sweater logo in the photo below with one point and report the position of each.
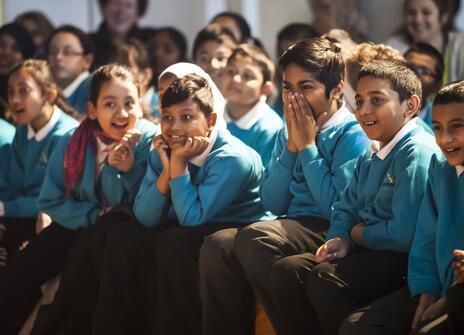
(390, 179)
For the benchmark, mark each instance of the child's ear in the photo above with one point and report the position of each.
(51, 96)
(212, 118)
(444, 19)
(337, 91)
(267, 88)
(88, 61)
(412, 106)
(91, 110)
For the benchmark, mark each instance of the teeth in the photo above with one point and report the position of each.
(451, 150)
(369, 123)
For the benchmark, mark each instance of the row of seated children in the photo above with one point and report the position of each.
(312, 164)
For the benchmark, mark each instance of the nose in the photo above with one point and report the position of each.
(363, 110)
(446, 136)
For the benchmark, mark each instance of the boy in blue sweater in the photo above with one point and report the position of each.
(246, 84)
(371, 227)
(311, 164)
(430, 293)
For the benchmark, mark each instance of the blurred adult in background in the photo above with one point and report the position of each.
(40, 28)
(119, 24)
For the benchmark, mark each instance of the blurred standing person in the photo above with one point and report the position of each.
(40, 28)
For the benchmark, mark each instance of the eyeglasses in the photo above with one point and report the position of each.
(423, 71)
(66, 52)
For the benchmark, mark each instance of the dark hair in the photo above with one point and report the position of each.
(177, 37)
(427, 49)
(193, 87)
(242, 24)
(85, 41)
(366, 53)
(45, 27)
(297, 32)
(319, 56)
(22, 38)
(141, 6)
(40, 71)
(257, 55)
(132, 52)
(400, 76)
(216, 33)
(105, 74)
(450, 93)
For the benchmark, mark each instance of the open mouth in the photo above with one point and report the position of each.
(18, 110)
(451, 151)
(120, 126)
(369, 123)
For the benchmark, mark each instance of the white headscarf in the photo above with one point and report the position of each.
(182, 69)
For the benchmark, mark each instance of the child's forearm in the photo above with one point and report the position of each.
(178, 167)
(162, 183)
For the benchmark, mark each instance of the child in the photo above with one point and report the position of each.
(372, 226)
(439, 232)
(211, 49)
(246, 84)
(39, 112)
(428, 64)
(70, 55)
(235, 23)
(310, 166)
(40, 28)
(200, 179)
(93, 169)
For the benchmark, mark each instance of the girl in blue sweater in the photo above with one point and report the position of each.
(92, 170)
(39, 112)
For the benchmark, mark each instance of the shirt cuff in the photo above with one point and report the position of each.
(179, 184)
(288, 158)
(308, 154)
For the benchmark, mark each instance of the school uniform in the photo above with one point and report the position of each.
(439, 231)
(300, 188)
(220, 190)
(77, 92)
(7, 132)
(385, 195)
(258, 128)
(99, 187)
(24, 173)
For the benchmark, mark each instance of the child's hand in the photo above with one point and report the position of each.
(332, 249)
(357, 233)
(43, 221)
(131, 138)
(194, 146)
(425, 309)
(162, 149)
(288, 112)
(121, 157)
(458, 265)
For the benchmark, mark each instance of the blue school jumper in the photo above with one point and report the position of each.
(309, 182)
(86, 201)
(440, 230)
(223, 189)
(7, 132)
(258, 129)
(77, 93)
(385, 193)
(28, 162)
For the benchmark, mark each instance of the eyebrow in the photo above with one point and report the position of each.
(302, 81)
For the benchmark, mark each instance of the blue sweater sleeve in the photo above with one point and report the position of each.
(326, 182)
(423, 274)
(54, 201)
(274, 190)
(149, 202)
(411, 172)
(197, 204)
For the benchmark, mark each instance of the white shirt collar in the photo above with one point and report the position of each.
(103, 150)
(251, 117)
(459, 169)
(45, 130)
(387, 148)
(68, 90)
(200, 159)
(340, 115)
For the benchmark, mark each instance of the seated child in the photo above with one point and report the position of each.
(246, 84)
(92, 170)
(311, 165)
(372, 226)
(42, 121)
(430, 292)
(70, 55)
(200, 179)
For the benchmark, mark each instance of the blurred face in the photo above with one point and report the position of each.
(184, 120)
(425, 66)
(423, 20)
(212, 57)
(298, 80)
(163, 51)
(448, 124)
(243, 81)
(33, 28)
(10, 55)
(118, 108)
(120, 15)
(25, 98)
(66, 58)
(379, 110)
(231, 25)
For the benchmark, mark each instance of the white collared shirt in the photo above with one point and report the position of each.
(103, 150)
(340, 115)
(387, 148)
(251, 117)
(459, 170)
(69, 90)
(200, 159)
(45, 130)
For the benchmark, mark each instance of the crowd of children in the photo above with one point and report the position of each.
(143, 194)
